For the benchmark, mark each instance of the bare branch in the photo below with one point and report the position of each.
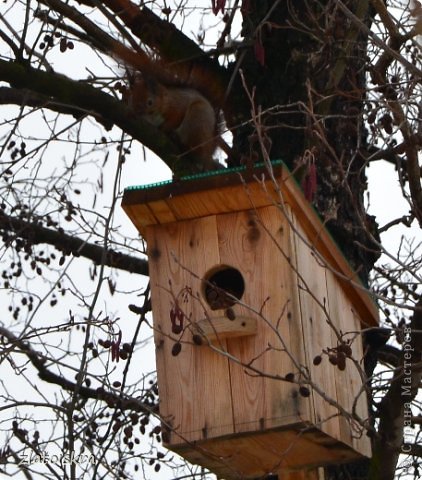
(47, 375)
(393, 406)
(88, 100)
(389, 50)
(36, 234)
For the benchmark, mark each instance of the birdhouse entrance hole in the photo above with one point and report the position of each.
(221, 287)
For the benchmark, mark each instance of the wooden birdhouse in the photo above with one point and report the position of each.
(257, 319)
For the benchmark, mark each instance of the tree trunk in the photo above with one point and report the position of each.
(307, 64)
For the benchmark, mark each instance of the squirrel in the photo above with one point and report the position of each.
(179, 111)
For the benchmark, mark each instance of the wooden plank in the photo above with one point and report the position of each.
(361, 443)
(325, 245)
(198, 204)
(221, 180)
(313, 474)
(218, 328)
(349, 382)
(261, 402)
(256, 455)
(162, 211)
(317, 334)
(297, 344)
(223, 200)
(141, 216)
(340, 313)
(194, 385)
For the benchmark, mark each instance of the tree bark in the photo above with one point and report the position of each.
(308, 79)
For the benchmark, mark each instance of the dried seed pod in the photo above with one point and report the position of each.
(177, 348)
(304, 391)
(345, 348)
(341, 361)
(123, 355)
(317, 360)
(176, 329)
(127, 347)
(197, 339)
(333, 359)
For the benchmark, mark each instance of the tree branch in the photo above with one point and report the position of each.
(36, 234)
(389, 355)
(48, 376)
(57, 89)
(181, 55)
(388, 50)
(395, 405)
(391, 154)
(102, 41)
(158, 34)
(412, 449)
(23, 97)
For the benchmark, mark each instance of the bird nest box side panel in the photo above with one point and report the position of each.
(194, 383)
(351, 393)
(333, 346)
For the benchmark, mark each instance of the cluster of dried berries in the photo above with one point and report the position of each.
(16, 150)
(64, 43)
(337, 356)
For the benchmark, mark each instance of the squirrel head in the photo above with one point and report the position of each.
(145, 98)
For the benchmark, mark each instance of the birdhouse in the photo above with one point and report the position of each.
(257, 318)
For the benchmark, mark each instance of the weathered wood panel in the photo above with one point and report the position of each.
(349, 383)
(255, 455)
(261, 399)
(196, 397)
(317, 333)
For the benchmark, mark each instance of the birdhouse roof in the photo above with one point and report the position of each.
(239, 189)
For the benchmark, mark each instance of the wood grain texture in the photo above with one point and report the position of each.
(317, 333)
(162, 211)
(322, 241)
(256, 455)
(219, 328)
(349, 382)
(195, 395)
(246, 240)
(141, 217)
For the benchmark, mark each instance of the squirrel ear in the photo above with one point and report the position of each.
(146, 83)
(131, 76)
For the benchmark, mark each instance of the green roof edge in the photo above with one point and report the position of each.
(197, 176)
